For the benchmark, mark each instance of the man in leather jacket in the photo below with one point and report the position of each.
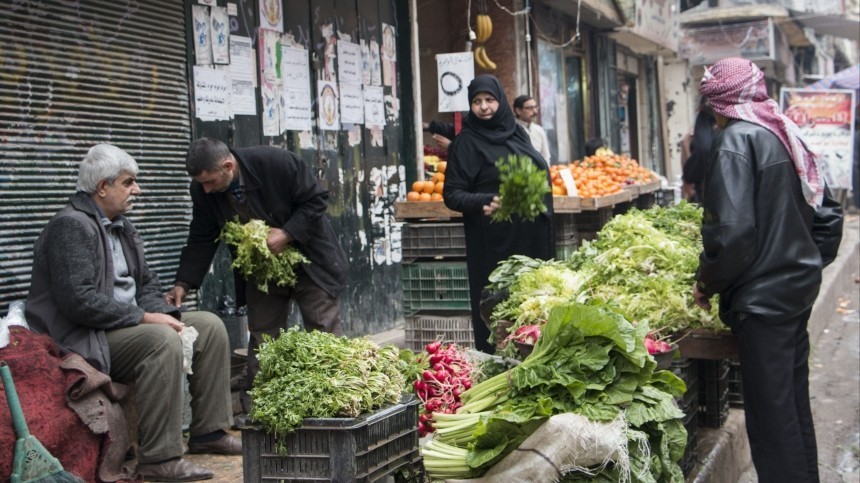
(769, 228)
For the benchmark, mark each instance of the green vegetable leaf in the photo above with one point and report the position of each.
(254, 259)
(522, 189)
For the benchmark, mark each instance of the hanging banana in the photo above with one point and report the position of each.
(490, 65)
(478, 58)
(482, 59)
(484, 26)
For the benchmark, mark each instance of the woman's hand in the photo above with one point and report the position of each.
(493, 206)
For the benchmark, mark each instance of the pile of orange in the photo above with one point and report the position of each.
(601, 175)
(430, 190)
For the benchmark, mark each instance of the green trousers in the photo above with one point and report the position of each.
(150, 357)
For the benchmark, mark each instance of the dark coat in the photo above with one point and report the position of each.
(282, 191)
(472, 180)
(764, 245)
(71, 291)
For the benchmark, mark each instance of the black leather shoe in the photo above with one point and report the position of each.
(174, 470)
(224, 445)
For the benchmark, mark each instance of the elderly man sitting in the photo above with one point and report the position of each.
(94, 294)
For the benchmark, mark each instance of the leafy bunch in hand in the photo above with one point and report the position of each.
(522, 189)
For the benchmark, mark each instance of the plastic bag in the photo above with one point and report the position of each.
(15, 316)
(188, 336)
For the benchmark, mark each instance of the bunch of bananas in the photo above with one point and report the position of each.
(483, 31)
(483, 28)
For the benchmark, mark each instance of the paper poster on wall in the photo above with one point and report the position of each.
(365, 62)
(349, 62)
(271, 109)
(243, 99)
(351, 103)
(389, 55)
(454, 73)
(375, 67)
(271, 15)
(327, 100)
(268, 45)
(374, 106)
(220, 33)
(296, 112)
(826, 122)
(329, 53)
(211, 95)
(202, 35)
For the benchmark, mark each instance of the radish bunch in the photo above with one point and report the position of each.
(656, 346)
(439, 387)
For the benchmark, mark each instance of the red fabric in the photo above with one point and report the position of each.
(735, 89)
(34, 362)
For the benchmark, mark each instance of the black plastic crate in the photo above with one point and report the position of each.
(713, 382)
(714, 411)
(736, 388)
(646, 200)
(435, 286)
(563, 252)
(691, 397)
(664, 197)
(564, 225)
(686, 369)
(623, 207)
(433, 240)
(592, 220)
(362, 449)
(688, 461)
(421, 329)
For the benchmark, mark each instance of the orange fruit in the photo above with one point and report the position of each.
(425, 197)
(558, 190)
(439, 187)
(441, 166)
(438, 177)
(429, 186)
(418, 186)
(413, 196)
(436, 196)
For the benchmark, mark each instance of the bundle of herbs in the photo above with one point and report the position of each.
(254, 259)
(590, 361)
(522, 189)
(319, 375)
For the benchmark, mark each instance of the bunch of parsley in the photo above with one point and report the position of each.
(522, 189)
(254, 259)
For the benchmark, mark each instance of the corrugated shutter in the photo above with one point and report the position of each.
(74, 74)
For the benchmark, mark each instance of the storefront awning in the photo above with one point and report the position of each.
(600, 14)
(830, 24)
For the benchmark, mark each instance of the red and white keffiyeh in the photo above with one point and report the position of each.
(735, 89)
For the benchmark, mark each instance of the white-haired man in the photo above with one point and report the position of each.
(93, 293)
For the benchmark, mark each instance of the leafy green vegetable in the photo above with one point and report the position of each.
(254, 259)
(588, 360)
(319, 375)
(522, 189)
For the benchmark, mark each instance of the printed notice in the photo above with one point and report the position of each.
(351, 103)
(374, 106)
(349, 63)
(202, 35)
(296, 112)
(220, 31)
(211, 96)
(242, 98)
(328, 106)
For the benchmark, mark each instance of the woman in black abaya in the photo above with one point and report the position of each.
(490, 132)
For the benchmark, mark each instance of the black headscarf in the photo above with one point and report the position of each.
(502, 128)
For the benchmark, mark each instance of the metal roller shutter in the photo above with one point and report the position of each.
(74, 74)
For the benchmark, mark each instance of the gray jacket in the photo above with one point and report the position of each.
(71, 290)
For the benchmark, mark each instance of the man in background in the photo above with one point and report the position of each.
(526, 111)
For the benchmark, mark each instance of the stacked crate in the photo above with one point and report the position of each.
(688, 371)
(436, 284)
(713, 392)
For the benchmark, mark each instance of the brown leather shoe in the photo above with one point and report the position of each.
(177, 469)
(225, 445)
